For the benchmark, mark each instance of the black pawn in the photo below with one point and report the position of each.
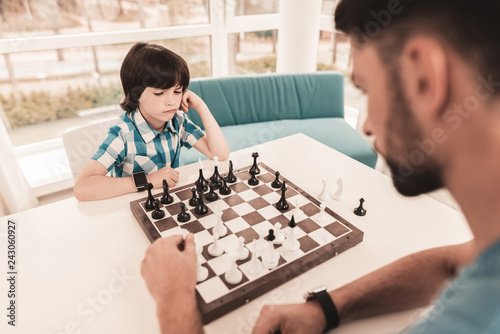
(158, 213)
(230, 178)
(201, 208)
(150, 202)
(211, 195)
(271, 236)
(166, 198)
(277, 183)
(201, 183)
(282, 204)
(224, 190)
(194, 200)
(254, 167)
(183, 216)
(292, 222)
(216, 179)
(360, 211)
(253, 181)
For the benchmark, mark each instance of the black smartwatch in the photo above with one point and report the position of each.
(329, 309)
(140, 181)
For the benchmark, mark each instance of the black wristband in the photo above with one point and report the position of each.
(329, 309)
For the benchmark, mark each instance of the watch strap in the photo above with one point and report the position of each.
(329, 309)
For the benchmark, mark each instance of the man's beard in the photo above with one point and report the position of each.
(402, 133)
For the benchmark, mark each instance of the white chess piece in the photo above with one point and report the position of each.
(215, 249)
(255, 265)
(233, 274)
(280, 237)
(291, 244)
(216, 161)
(200, 164)
(324, 193)
(321, 216)
(270, 257)
(242, 250)
(338, 196)
(219, 227)
(202, 272)
(297, 212)
(261, 244)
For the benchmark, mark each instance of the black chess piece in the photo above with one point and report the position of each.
(150, 202)
(194, 200)
(201, 183)
(216, 179)
(211, 195)
(166, 198)
(157, 213)
(292, 222)
(224, 190)
(282, 204)
(183, 216)
(360, 211)
(255, 167)
(277, 183)
(201, 208)
(271, 236)
(230, 178)
(253, 181)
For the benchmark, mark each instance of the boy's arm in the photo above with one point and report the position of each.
(410, 282)
(214, 143)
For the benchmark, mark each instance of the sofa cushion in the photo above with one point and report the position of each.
(334, 132)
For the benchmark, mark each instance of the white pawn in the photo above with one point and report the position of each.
(280, 237)
(233, 274)
(260, 245)
(338, 196)
(200, 164)
(291, 244)
(242, 250)
(255, 265)
(219, 227)
(324, 194)
(321, 216)
(202, 272)
(270, 257)
(215, 249)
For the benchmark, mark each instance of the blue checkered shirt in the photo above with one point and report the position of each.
(133, 146)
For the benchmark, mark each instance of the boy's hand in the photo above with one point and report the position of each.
(166, 173)
(190, 100)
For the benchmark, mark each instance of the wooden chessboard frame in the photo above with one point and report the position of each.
(250, 291)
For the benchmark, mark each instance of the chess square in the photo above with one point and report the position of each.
(336, 229)
(253, 218)
(203, 238)
(216, 205)
(307, 244)
(244, 279)
(229, 214)
(290, 192)
(208, 221)
(219, 264)
(239, 187)
(166, 224)
(210, 272)
(248, 195)
(273, 197)
(229, 243)
(263, 227)
(184, 194)
(280, 219)
(262, 190)
(233, 200)
(322, 237)
(297, 232)
(269, 212)
(266, 177)
(193, 227)
(310, 209)
(308, 225)
(174, 209)
(249, 234)
(173, 231)
(258, 203)
(212, 289)
(237, 225)
(243, 209)
(243, 176)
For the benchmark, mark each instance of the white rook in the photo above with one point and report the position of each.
(298, 36)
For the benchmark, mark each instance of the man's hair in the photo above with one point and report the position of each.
(150, 65)
(469, 26)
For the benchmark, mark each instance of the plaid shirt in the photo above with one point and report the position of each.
(133, 146)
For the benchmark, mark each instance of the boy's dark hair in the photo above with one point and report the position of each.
(150, 65)
(469, 26)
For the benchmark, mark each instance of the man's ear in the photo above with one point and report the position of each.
(425, 76)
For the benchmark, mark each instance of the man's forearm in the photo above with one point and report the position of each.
(410, 282)
(182, 318)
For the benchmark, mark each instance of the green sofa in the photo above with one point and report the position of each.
(254, 109)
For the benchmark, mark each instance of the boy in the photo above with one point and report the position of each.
(149, 135)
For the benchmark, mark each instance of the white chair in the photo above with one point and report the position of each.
(82, 142)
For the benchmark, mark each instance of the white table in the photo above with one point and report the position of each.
(78, 262)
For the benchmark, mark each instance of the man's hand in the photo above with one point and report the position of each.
(191, 100)
(166, 173)
(291, 319)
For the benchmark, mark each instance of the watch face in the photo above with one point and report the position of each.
(140, 180)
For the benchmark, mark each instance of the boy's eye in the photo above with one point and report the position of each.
(158, 94)
(178, 92)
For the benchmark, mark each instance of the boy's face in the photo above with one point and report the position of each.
(158, 106)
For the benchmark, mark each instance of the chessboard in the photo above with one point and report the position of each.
(249, 211)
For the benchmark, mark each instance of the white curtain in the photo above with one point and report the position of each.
(15, 193)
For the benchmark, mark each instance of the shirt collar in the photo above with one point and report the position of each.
(147, 133)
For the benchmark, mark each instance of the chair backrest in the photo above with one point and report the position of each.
(82, 142)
